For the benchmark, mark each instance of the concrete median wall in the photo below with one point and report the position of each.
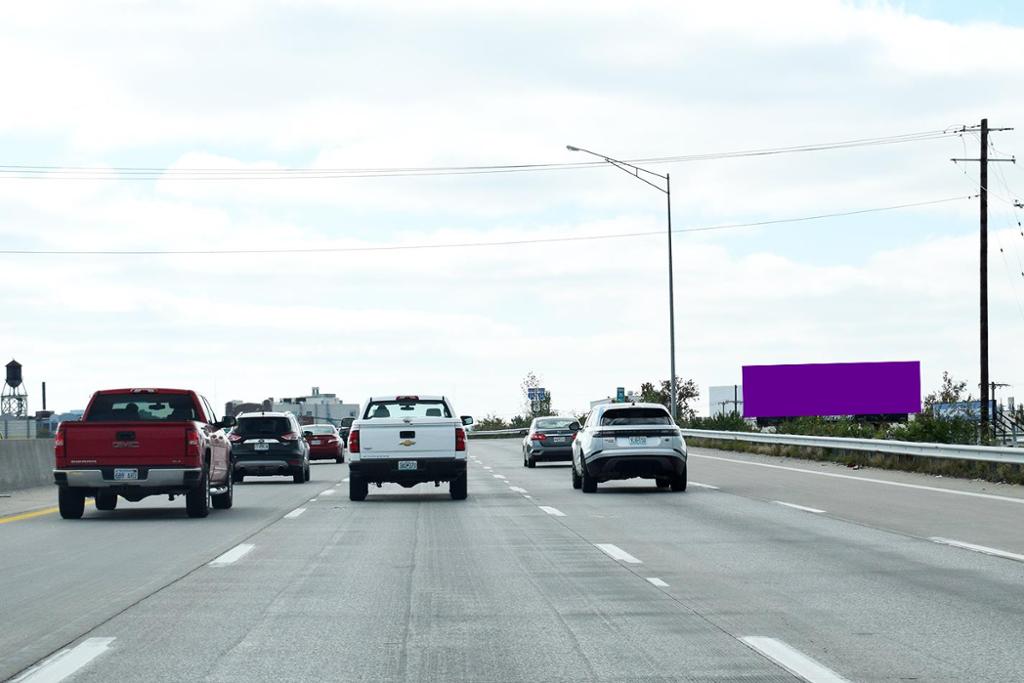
(25, 463)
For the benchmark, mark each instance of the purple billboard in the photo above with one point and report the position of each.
(832, 389)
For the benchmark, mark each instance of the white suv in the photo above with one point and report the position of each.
(626, 441)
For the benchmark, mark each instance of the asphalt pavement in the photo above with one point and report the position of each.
(767, 570)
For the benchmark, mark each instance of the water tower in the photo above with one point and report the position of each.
(13, 399)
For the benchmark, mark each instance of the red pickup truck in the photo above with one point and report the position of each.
(135, 443)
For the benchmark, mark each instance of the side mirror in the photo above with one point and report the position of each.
(227, 422)
(574, 427)
(307, 435)
(467, 420)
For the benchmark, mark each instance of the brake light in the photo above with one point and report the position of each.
(290, 436)
(460, 439)
(407, 398)
(59, 451)
(539, 437)
(235, 438)
(353, 441)
(192, 443)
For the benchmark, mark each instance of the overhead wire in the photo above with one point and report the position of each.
(459, 245)
(60, 172)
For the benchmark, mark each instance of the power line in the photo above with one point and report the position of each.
(455, 245)
(57, 172)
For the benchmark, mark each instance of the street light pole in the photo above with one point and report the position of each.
(635, 171)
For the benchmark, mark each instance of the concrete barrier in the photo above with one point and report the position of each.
(25, 463)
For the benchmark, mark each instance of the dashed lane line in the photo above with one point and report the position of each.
(233, 555)
(985, 550)
(617, 553)
(295, 513)
(800, 507)
(554, 512)
(792, 660)
(704, 486)
(654, 580)
(66, 662)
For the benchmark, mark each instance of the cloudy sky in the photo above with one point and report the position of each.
(382, 84)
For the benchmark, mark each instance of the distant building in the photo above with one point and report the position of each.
(317, 407)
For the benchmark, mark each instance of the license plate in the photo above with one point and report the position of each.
(406, 465)
(262, 447)
(558, 439)
(316, 442)
(638, 441)
(125, 474)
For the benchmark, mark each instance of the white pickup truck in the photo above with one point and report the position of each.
(407, 440)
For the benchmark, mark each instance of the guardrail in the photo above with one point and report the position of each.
(500, 432)
(1014, 456)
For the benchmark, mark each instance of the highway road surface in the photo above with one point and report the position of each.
(764, 570)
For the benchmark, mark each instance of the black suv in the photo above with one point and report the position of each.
(267, 444)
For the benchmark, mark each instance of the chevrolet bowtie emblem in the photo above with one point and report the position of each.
(407, 442)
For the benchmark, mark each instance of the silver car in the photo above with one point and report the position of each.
(626, 441)
(549, 439)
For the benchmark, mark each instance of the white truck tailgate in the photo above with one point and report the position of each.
(399, 438)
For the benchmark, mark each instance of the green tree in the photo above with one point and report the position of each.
(491, 423)
(535, 408)
(687, 395)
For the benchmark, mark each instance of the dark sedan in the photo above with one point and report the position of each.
(549, 440)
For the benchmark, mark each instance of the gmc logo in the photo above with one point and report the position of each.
(126, 444)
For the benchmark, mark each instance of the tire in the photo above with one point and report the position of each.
(457, 487)
(237, 477)
(662, 482)
(71, 503)
(577, 481)
(224, 501)
(531, 463)
(106, 500)
(308, 473)
(589, 484)
(524, 459)
(357, 488)
(197, 500)
(340, 459)
(299, 475)
(679, 482)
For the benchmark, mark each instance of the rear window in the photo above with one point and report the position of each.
(142, 408)
(263, 426)
(635, 416)
(319, 430)
(378, 410)
(556, 423)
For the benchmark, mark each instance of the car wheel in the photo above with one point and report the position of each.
(309, 474)
(299, 475)
(71, 503)
(530, 462)
(662, 482)
(197, 500)
(457, 487)
(589, 484)
(106, 500)
(357, 488)
(224, 501)
(237, 476)
(577, 482)
(679, 482)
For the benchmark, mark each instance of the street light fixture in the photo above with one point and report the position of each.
(635, 171)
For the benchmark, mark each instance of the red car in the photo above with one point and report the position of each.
(324, 442)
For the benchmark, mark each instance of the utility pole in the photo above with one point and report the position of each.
(983, 160)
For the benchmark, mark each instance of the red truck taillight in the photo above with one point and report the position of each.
(353, 441)
(290, 436)
(59, 451)
(460, 439)
(192, 443)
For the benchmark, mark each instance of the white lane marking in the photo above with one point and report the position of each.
(499, 476)
(920, 487)
(486, 467)
(344, 480)
(996, 552)
(328, 492)
(312, 500)
(704, 486)
(792, 660)
(527, 496)
(66, 662)
(657, 582)
(517, 489)
(800, 507)
(295, 513)
(552, 511)
(617, 553)
(233, 555)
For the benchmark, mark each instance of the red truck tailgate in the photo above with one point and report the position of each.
(124, 443)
